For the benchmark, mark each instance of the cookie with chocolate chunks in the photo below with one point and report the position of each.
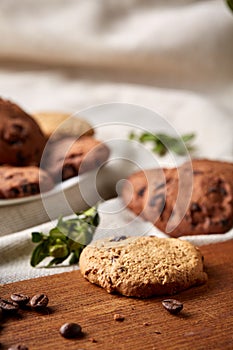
(70, 157)
(16, 182)
(210, 206)
(21, 139)
(142, 266)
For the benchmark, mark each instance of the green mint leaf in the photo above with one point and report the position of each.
(68, 237)
(162, 143)
(230, 4)
(37, 237)
(39, 254)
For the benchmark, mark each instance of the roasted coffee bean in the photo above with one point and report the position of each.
(71, 330)
(18, 347)
(39, 301)
(8, 306)
(172, 305)
(20, 298)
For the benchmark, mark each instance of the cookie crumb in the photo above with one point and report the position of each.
(118, 317)
(93, 340)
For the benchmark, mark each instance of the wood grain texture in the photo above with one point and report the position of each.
(205, 322)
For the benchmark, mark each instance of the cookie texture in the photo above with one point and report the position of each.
(70, 157)
(143, 266)
(21, 139)
(210, 200)
(16, 182)
(57, 125)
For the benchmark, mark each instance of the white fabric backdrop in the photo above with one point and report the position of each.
(175, 57)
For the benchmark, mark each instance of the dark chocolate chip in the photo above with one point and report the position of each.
(155, 199)
(118, 239)
(141, 191)
(195, 207)
(14, 191)
(224, 222)
(160, 186)
(34, 188)
(68, 171)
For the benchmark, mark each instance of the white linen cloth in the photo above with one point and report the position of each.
(175, 57)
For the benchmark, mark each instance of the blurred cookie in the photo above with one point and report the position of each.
(143, 266)
(70, 157)
(21, 139)
(16, 182)
(210, 206)
(135, 188)
(58, 125)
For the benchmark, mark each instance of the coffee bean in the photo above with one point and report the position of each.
(8, 306)
(18, 347)
(71, 330)
(172, 305)
(20, 298)
(39, 301)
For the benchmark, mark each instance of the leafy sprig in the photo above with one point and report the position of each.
(68, 238)
(230, 4)
(162, 143)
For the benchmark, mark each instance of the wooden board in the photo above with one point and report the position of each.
(206, 321)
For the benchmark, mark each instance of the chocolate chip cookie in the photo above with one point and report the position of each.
(57, 125)
(143, 266)
(21, 139)
(70, 157)
(16, 182)
(210, 201)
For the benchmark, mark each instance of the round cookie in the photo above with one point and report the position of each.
(21, 139)
(58, 125)
(210, 207)
(70, 157)
(16, 182)
(143, 266)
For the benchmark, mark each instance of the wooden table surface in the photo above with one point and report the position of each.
(206, 321)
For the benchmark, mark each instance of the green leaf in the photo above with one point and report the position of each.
(145, 137)
(162, 143)
(230, 4)
(37, 237)
(188, 137)
(38, 254)
(56, 261)
(68, 237)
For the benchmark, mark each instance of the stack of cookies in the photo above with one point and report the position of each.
(37, 152)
